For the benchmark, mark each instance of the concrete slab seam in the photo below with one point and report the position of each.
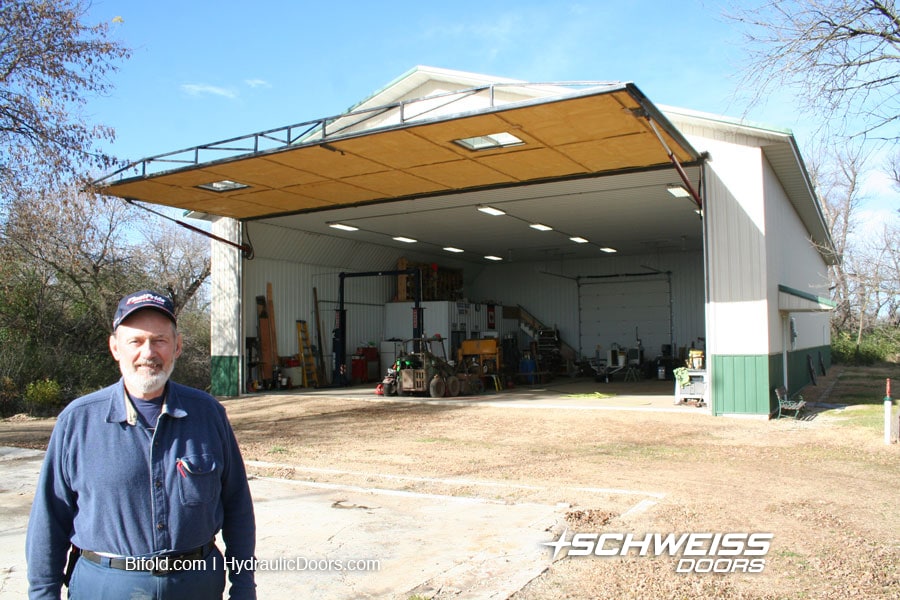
(448, 481)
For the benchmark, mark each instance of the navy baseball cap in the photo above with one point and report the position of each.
(141, 300)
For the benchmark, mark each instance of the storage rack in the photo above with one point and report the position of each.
(438, 283)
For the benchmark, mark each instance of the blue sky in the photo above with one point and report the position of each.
(204, 71)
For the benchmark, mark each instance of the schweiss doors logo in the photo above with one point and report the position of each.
(697, 552)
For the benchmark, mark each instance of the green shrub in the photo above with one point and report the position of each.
(43, 397)
(880, 345)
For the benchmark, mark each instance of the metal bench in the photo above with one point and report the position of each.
(788, 403)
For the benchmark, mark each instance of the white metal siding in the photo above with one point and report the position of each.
(538, 288)
(797, 264)
(736, 248)
(225, 330)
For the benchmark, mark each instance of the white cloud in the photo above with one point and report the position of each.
(256, 83)
(202, 89)
(875, 218)
(878, 184)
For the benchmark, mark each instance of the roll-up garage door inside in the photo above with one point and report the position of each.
(622, 309)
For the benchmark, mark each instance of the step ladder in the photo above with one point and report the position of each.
(307, 358)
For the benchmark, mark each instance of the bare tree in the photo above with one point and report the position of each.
(841, 57)
(51, 64)
(177, 260)
(80, 240)
(64, 264)
(894, 170)
(892, 293)
(837, 176)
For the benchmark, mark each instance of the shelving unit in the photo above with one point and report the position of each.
(438, 283)
(548, 351)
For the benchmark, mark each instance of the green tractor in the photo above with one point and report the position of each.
(422, 368)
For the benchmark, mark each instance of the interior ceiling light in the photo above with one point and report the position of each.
(490, 141)
(343, 227)
(608, 250)
(490, 210)
(226, 185)
(541, 227)
(578, 240)
(452, 249)
(678, 191)
(405, 240)
(492, 257)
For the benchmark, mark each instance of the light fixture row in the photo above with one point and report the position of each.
(406, 240)
(488, 210)
(496, 212)
(678, 191)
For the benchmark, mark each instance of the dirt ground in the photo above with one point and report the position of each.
(825, 486)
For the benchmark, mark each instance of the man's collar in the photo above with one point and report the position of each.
(121, 409)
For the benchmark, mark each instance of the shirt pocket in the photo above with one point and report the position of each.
(198, 481)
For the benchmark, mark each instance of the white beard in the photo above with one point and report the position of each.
(141, 383)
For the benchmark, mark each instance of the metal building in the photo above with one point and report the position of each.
(616, 221)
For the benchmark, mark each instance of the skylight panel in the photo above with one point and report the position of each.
(490, 141)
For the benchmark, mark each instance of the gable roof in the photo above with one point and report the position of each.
(779, 146)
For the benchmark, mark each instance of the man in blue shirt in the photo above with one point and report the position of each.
(138, 479)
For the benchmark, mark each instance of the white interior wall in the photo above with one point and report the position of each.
(439, 318)
(295, 262)
(292, 293)
(550, 291)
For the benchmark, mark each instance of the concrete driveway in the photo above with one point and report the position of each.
(329, 539)
(320, 540)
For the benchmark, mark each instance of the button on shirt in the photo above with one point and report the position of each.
(109, 485)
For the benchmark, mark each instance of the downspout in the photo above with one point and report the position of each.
(785, 345)
(242, 326)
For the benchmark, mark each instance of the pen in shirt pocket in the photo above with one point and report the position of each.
(179, 464)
